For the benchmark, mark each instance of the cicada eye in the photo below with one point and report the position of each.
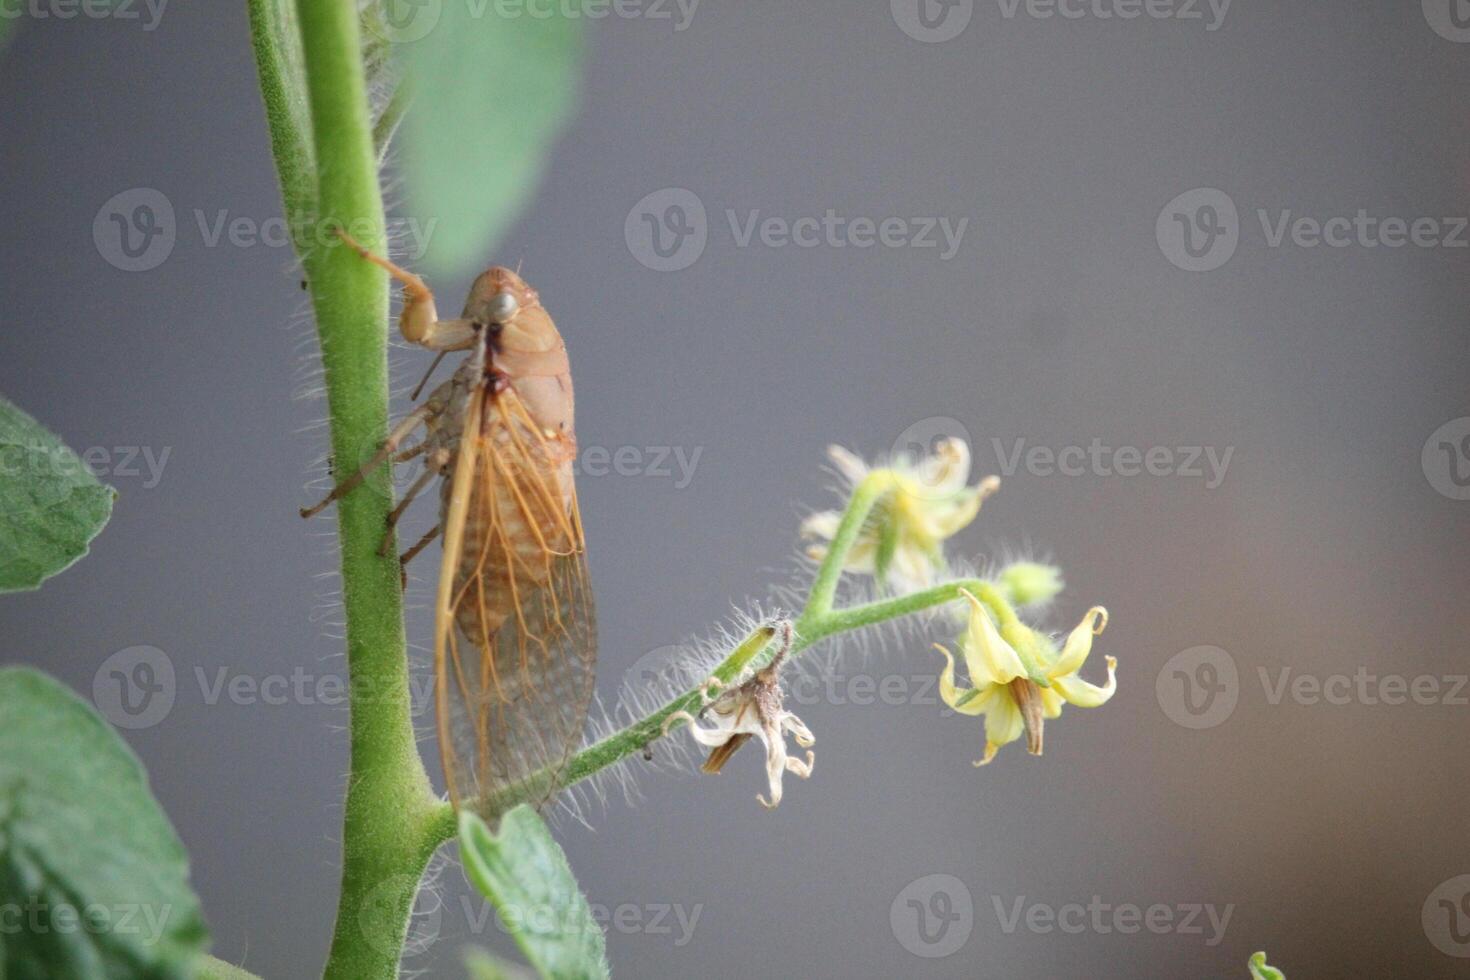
(503, 306)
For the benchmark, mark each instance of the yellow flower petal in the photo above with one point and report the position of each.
(1003, 721)
(848, 463)
(990, 659)
(1051, 703)
(952, 695)
(822, 524)
(1079, 643)
(1085, 695)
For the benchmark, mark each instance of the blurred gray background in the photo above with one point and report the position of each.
(1334, 544)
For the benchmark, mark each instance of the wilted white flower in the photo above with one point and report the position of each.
(756, 708)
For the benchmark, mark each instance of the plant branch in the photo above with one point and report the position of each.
(817, 622)
(328, 169)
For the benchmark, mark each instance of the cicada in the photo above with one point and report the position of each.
(515, 636)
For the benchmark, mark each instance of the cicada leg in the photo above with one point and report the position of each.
(390, 446)
(425, 478)
(413, 553)
(419, 321)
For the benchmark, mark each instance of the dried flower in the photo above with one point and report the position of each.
(1007, 693)
(754, 708)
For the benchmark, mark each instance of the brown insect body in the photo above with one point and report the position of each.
(515, 628)
(515, 636)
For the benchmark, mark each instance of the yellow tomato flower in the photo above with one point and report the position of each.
(1005, 691)
(902, 541)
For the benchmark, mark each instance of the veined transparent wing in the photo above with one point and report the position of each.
(515, 630)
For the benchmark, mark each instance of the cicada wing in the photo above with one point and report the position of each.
(516, 631)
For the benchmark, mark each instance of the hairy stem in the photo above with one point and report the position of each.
(817, 622)
(328, 169)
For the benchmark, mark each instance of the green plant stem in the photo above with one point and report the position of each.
(328, 170)
(393, 822)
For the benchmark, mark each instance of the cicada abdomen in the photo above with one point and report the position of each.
(515, 628)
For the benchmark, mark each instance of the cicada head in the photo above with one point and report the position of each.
(503, 302)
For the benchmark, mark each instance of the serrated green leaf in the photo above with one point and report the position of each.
(492, 89)
(51, 506)
(86, 854)
(1260, 971)
(525, 876)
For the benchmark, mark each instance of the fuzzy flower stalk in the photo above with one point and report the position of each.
(895, 524)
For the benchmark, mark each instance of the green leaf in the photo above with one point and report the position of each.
(51, 506)
(481, 965)
(1260, 971)
(491, 92)
(524, 874)
(86, 853)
